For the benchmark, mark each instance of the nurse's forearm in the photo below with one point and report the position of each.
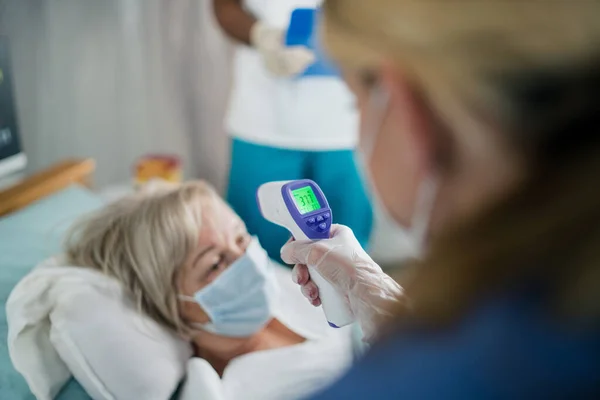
(235, 21)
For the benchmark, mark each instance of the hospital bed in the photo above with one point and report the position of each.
(34, 215)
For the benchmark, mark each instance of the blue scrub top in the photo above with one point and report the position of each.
(506, 349)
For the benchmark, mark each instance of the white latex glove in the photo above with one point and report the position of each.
(280, 60)
(341, 260)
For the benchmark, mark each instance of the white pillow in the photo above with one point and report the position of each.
(114, 351)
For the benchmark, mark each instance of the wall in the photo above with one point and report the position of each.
(115, 79)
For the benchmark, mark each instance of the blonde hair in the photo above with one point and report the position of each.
(531, 69)
(465, 46)
(142, 241)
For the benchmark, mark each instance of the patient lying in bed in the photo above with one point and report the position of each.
(186, 261)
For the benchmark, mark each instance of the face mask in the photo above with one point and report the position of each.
(404, 242)
(241, 300)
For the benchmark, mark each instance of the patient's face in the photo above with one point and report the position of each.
(223, 239)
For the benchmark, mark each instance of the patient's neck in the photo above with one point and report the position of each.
(220, 350)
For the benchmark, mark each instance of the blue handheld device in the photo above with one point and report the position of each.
(303, 32)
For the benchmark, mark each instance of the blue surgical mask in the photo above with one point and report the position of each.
(241, 300)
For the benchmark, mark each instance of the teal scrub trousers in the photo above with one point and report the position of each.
(334, 171)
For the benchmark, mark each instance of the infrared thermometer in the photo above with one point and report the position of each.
(301, 207)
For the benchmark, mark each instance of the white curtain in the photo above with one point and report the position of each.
(116, 79)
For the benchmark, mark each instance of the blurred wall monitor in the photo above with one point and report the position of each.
(12, 158)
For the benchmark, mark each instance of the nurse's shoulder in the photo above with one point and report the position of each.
(486, 355)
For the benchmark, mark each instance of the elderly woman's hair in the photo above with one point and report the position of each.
(142, 241)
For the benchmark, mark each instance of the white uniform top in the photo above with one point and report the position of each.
(312, 113)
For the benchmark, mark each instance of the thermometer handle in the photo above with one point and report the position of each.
(335, 307)
(277, 206)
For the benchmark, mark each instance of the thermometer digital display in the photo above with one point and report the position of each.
(301, 207)
(306, 200)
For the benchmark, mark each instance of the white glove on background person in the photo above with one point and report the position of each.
(280, 60)
(341, 260)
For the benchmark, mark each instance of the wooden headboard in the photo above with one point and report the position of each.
(45, 183)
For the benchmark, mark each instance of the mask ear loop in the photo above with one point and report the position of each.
(426, 195)
(183, 297)
(196, 325)
(379, 101)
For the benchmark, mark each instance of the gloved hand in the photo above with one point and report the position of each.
(280, 60)
(342, 261)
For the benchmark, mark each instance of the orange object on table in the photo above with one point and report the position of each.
(158, 166)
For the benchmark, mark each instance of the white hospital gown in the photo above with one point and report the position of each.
(285, 373)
